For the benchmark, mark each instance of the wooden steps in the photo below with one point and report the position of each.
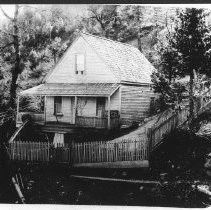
(54, 127)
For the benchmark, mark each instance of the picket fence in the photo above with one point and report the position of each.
(94, 152)
(157, 132)
(101, 151)
(85, 152)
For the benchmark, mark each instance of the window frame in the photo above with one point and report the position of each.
(58, 112)
(80, 72)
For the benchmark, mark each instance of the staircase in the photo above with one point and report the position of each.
(55, 127)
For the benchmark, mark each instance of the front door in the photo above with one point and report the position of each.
(100, 107)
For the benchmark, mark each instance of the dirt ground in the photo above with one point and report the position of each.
(55, 185)
(177, 165)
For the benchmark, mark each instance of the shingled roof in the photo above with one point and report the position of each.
(126, 62)
(93, 89)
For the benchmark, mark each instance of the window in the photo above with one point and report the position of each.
(80, 64)
(100, 106)
(57, 105)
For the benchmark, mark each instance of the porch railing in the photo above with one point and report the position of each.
(36, 117)
(80, 121)
(96, 122)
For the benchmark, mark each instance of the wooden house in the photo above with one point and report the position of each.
(98, 83)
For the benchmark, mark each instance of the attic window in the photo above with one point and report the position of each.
(80, 64)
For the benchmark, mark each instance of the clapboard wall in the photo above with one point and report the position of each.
(86, 106)
(135, 103)
(96, 71)
(66, 110)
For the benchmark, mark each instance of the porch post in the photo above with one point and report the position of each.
(74, 110)
(44, 109)
(17, 109)
(109, 112)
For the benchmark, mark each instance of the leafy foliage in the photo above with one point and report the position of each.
(184, 54)
(171, 93)
(45, 33)
(43, 36)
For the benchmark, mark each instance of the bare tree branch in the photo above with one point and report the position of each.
(6, 15)
(7, 45)
(7, 33)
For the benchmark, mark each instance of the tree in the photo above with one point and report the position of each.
(171, 92)
(31, 43)
(188, 42)
(16, 68)
(165, 79)
(183, 53)
(103, 20)
(133, 19)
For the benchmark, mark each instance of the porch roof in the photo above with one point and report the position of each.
(83, 89)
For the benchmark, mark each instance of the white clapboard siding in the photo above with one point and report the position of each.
(50, 108)
(115, 102)
(87, 106)
(135, 103)
(96, 69)
(66, 109)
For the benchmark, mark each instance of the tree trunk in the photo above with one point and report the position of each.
(54, 57)
(13, 87)
(139, 42)
(191, 101)
(16, 69)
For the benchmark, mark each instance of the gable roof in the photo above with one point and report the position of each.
(83, 89)
(126, 62)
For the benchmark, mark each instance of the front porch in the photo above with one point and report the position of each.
(74, 105)
(80, 121)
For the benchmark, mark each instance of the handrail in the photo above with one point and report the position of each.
(17, 131)
(156, 133)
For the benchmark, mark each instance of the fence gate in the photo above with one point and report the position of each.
(61, 153)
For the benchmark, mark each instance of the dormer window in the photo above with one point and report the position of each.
(80, 64)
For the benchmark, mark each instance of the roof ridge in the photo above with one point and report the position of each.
(108, 40)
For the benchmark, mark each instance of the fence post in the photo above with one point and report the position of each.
(72, 152)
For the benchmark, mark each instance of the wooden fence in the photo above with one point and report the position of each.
(86, 152)
(157, 132)
(39, 151)
(29, 151)
(126, 150)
